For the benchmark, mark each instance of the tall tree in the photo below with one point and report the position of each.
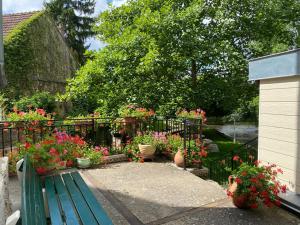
(73, 17)
(193, 53)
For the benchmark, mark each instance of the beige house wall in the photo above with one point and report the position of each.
(279, 127)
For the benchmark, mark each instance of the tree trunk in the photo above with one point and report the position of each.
(194, 72)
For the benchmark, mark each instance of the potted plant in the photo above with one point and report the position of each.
(89, 157)
(193, 155)
(146, 144)
(141, 147)
(252, 185)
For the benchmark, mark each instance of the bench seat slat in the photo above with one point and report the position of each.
(66, 202)
(94, 205)
(39, 215)
(84, 212)
(55, 215)
(32, 211)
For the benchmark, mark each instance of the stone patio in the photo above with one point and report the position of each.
(160, 193)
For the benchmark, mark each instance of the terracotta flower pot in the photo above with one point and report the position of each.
(147, 151)
(179, 159)
(240, 201)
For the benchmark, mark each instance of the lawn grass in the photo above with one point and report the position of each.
(225, 144)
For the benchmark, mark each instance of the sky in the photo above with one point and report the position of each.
(13, 6)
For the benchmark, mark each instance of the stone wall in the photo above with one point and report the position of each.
(38, 58)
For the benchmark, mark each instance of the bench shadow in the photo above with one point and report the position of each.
(137, 211)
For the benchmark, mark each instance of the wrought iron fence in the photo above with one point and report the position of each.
(110, 132)
(221, 168)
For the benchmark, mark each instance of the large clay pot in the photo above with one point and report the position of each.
(147, 151)
(240, 201)
(179, 159)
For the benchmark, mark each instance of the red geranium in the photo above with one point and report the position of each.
(257, 183)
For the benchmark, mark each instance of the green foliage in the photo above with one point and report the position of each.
(94, 156)
(74, 19)
(39, 100)
(189, 53)
(19, 56)
(146, 139)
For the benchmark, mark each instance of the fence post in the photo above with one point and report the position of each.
(184, 143)
(231, 160)
(93, 128)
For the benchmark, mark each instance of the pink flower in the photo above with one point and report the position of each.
(236, 158)
(65, 151)
(97, 149)
(105, 152)
(41, 112)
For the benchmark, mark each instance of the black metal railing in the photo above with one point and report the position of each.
(110, 132)
(221, 168)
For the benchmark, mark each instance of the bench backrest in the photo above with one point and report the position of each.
(32, 211)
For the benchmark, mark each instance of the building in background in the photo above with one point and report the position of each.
(37, 58)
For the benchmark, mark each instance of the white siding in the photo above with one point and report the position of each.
(279, 127)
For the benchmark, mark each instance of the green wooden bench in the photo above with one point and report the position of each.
(70, 201)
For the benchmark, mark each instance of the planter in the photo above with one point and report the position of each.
(147, 151)
(83, 163)
(240, 201)
(179, 159)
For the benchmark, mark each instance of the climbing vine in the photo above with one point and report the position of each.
(19, 55)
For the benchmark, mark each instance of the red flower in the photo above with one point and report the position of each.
(203, 153)
(41, 170)
(27, 145)
(283, 188)
(261, 176)
(264, 194)
(236, 158)
(253, 180)
(6, 124)
(254, 206)
(41, 112)
(244, 173)
(130, 159)
(62, 163)
(69, 163)
(252, 188)
(53, 152)
(49, 123)
(142, 160)
(238, 180)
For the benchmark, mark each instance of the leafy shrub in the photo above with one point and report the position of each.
(42, 100)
